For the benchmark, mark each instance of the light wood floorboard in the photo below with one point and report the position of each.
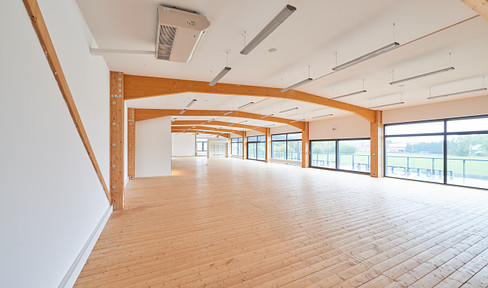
(235, 223)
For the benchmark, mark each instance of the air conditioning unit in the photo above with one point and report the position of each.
(179, 34)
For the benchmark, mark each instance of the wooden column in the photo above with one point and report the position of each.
(196, 154)
(244, 145)
(131, 145)
(268, 145)
(117, 139)
(305, 145)
(377, 149)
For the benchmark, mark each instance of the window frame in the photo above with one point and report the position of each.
(239, 142)
(444, 134)
(286, 145)
(255, 142)
(336, 140)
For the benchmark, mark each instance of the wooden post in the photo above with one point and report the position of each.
(117, 139)
(131, 145)
(305, 145)
(244, 145)
(268, 145)
(376, 146)
(196, 154)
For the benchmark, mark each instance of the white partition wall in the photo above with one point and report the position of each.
(153, 147)
(183, 144)
(217, 148)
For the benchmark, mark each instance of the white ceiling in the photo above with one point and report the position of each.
(311, 36)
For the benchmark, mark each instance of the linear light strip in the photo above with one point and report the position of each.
(297, 84)
(350, 94)
(266, 116)
(182, 111)
(367, 56)
(386, 105)
(457, 93)
(422, 75)
(246, 105)
(288, 110)
(321, 116)
(268, 29)
(229, 113)
(219, 76)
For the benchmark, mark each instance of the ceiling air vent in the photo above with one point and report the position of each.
(179, 34)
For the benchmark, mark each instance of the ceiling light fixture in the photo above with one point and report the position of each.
(297, 84)
(245, 105)
(219, 76)
(280, 18)
(350, 94)
(265, 116)
(457, 93)
(386, 105)
(288, 110)
(367, 56)
(321, 116)
(242, 122)
(422, 75)
(182, 111)
(269, 125)
(191, 103)
(229, 113)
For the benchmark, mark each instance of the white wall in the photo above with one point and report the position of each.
(153, 147)
(183, 144)
(52, 198)
(339, 128)
(284, 129)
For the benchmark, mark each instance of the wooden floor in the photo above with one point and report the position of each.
(234, 223)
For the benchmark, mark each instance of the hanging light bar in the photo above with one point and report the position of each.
(219, 76)
(245, 105)
(288, 110)
(242, 122)
(321, 116)
(229, 113)
(297, 84)
(457, 93)
(422, 75)
(266, 116)
(350, 94)
(386, 105)
(182, 111)
(367, 56)
(277, 20)
(191, 103)
(270, 125)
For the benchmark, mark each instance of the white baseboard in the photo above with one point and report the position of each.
(75, 269)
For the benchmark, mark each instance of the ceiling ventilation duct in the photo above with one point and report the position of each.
(179, 34)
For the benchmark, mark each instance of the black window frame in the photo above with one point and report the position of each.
(445, 134)
(256, 142)
(336, 140)
(238, 142)
(286, 140)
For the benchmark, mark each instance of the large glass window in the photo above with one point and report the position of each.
(346, 154)
(201, 145)
(256, 147)
(236, 146)
(286, 146)
(420, 154)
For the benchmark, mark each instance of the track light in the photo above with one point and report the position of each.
(350, 94)
(219, 76)
(386, 105)
(457, 93)
(367, 56)
(288, 110)
(297, 84)
(245, 105)
(228, 113)
(265, 116)
(280, 18)
(321, 116)
(191, 103)
(182, 111)
(422, 75)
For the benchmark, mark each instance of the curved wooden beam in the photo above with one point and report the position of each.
(205, 129)
(145, 114)
(218, 123)
(140, 87)
(226, 135)
(479, 6)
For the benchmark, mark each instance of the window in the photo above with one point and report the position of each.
(256, 147)
(346, 154)
(202, 145)
(286, 146)
(236, 146)
(450, 151)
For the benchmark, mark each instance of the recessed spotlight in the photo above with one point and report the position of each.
(273, 50)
